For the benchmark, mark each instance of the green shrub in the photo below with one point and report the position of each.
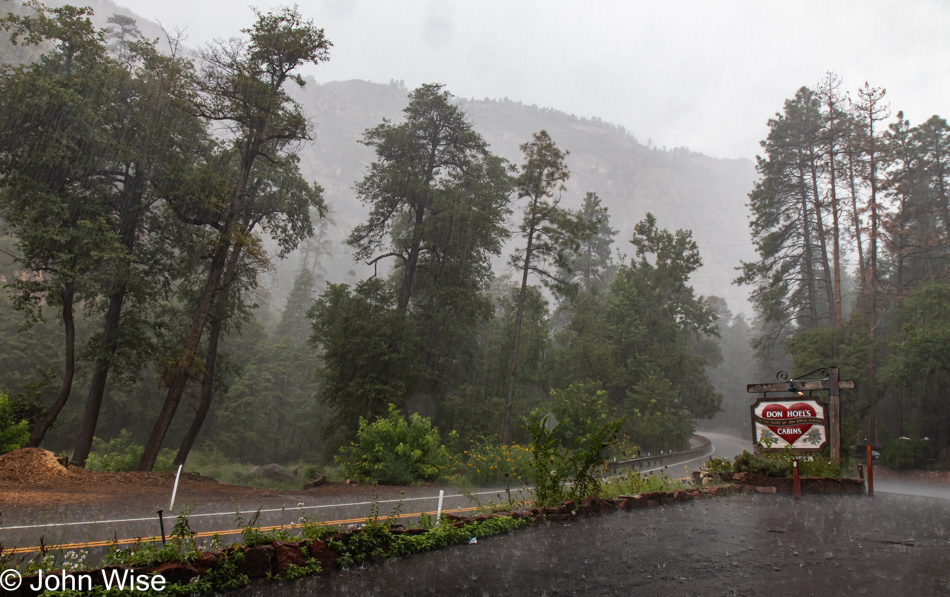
(578, 408)
(761, 464)
(13, 434)
(485, 463)
(779, 464)
(553, 465)
(392, 451)
(120, 454)
(818, 465)
(904, 453)
(633, 483)
(717, 465)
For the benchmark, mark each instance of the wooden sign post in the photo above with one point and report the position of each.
(831, 383)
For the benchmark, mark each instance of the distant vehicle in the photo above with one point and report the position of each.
(861, 449)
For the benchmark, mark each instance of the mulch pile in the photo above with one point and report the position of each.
(36, 467)
(32, 476)
(33, 479)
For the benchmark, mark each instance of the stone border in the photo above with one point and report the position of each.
(783, 485)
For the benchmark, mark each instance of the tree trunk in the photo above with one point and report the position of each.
(207, 386)
(808, 254)
(836, 257)
(823, 246)
(405, 291)
(859, 242)
(835, 240)
(176, 386)
(46, 421)
(97, 384)
(218, 314)
(506, 423)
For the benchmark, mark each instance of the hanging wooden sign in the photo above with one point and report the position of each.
(801, 423)
(801, 384)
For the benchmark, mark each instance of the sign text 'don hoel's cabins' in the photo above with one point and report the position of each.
(799, 423)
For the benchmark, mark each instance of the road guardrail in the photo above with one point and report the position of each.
(654, 461)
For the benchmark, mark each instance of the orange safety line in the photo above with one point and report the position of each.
(209, 533)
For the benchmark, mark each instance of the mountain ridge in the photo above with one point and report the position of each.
(682, 188)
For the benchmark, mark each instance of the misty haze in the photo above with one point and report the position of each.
(333, 284)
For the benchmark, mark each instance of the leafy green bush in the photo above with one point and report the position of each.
(717, 465)
(485, 463)
(761, 464)
(904, 453)
(779, 464)
(553, 465)
(818, 465)
(392, 451)
(374, 542)
(578, 408)
(13, 434)
(120, 454)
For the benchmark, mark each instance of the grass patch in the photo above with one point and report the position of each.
(633, 483)
(213, 463)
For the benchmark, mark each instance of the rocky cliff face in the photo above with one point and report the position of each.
(683, 189)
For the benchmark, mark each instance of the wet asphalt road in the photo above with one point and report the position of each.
(766, 545)
(80, 525)
(278, 510)
(72, 525)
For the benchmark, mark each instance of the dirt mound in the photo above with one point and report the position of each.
(33, 466)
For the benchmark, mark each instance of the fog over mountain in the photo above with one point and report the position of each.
(682, 188)
(702, 78)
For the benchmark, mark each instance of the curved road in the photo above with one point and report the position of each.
(82, 528)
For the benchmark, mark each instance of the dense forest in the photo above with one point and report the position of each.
(145, 196)
(149, 197)
(851, 219)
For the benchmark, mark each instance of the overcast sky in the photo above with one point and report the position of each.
(705, 75)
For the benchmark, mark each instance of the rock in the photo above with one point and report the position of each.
(273, 472)
(319, 551)
(596, 506)
(206, 561)
(286, 553)
(258, 561)
(316, 482)
(176, 572)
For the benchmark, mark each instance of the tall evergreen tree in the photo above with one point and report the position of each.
(549, 232)
(437, 197)
(791, 280)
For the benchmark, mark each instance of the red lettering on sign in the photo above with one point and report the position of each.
(790, 433)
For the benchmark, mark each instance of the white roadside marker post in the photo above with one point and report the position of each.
(171, 506)
(438, 514)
